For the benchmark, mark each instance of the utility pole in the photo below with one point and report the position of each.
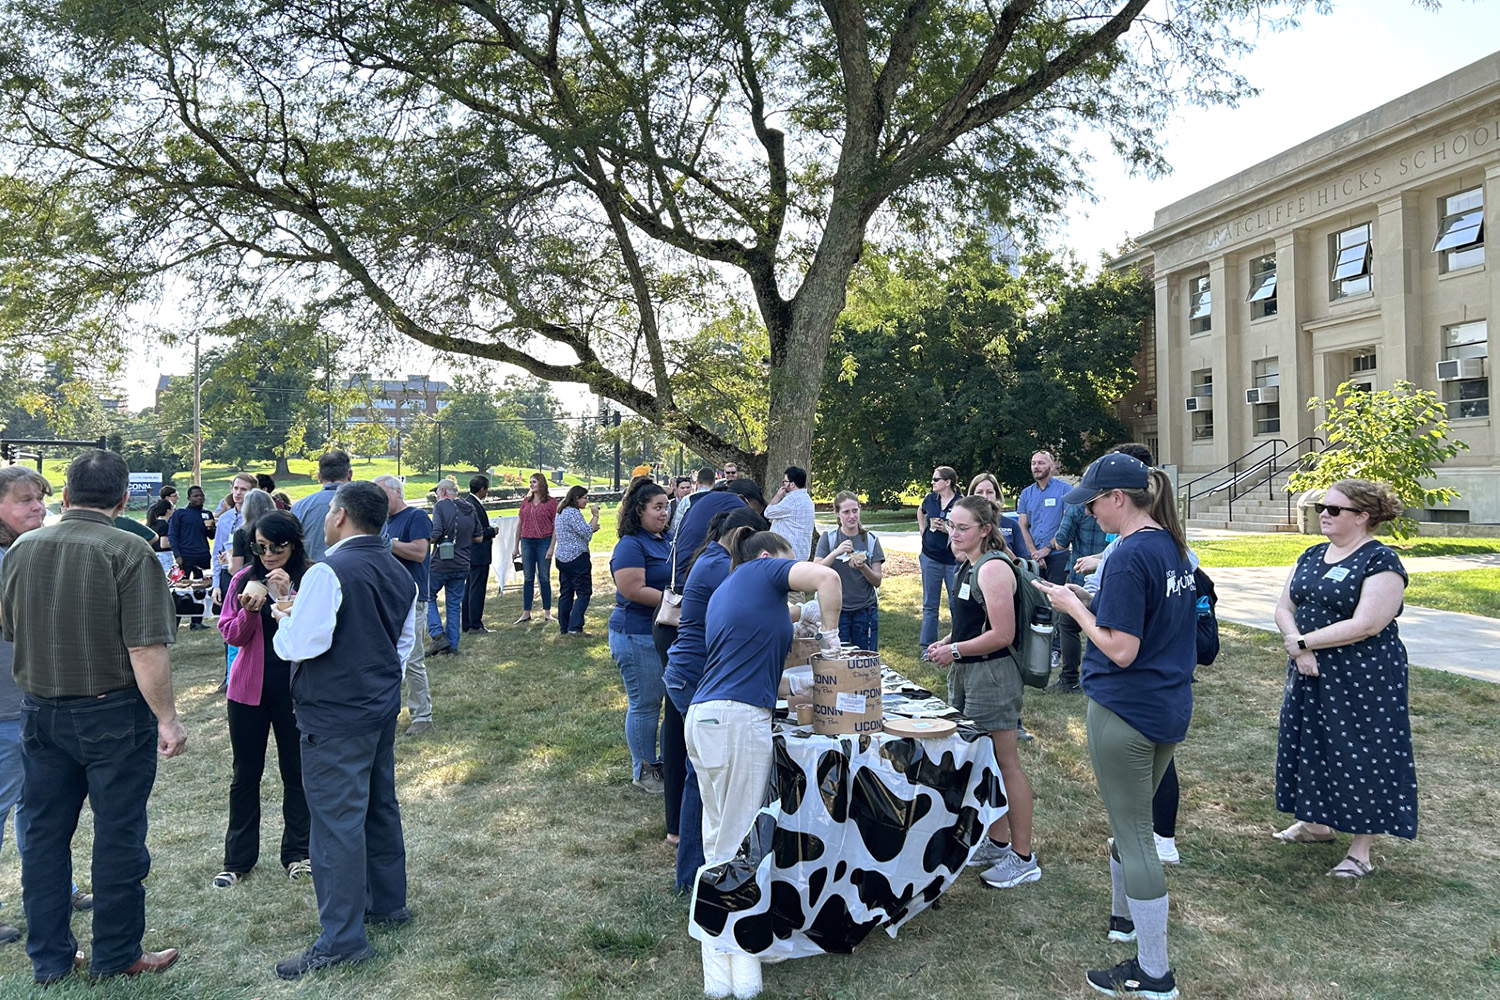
(197, 415)
(615, 419)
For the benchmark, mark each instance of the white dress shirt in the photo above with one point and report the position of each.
(792, 518)
(308, 631)
(224, 530)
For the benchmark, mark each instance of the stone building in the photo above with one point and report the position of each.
(1359, 254)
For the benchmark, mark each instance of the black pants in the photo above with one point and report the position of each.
(250, 727)
(195, 567)
(673, 745)
(471, 611)
(575, 585)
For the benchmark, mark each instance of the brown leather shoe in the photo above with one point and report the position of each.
(150, 961)
(80, 964)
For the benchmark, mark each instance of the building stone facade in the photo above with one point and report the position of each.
(1357, 255)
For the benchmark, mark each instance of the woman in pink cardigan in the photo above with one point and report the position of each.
(260, 701)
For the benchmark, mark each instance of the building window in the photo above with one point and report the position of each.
(1202, 402)
(1460, 237)
(1200, 305)
(1352, 257)
(1362, 362)
(1266, 374)
(1262, 287)
(1466, 387)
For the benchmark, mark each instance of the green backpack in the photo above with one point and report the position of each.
(1035, 664)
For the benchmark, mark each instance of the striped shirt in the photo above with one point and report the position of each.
(75, 597)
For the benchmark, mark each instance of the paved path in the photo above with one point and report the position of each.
(1443, 640)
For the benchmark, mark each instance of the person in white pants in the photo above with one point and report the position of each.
(728, 725)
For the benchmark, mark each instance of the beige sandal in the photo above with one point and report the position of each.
(1351, 867)
(1298, 833)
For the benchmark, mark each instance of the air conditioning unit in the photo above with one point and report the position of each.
(1198, 404)
(1265, 394)
(1450, 371)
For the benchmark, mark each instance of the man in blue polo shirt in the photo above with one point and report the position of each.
(347, 635)
(1040, 512)
(333, 471)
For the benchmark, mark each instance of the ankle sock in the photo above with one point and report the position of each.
(1150, 917)
(1023, 857)
(1001, 844)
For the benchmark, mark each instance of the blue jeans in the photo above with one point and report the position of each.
(358, 852)
(575, 585)
(534, 565)
(641, 669)
(10, 774)
(934, 575)
(862, 628)
(453, 583)
(690, 819)
(104, 749)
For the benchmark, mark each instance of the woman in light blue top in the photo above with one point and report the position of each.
(571, 536)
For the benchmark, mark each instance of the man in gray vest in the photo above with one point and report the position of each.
(347, 635)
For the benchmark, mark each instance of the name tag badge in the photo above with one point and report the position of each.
(1337, 574)
(963, 592)
(1050, 502)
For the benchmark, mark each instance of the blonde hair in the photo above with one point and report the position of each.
(1160, 502)
(987, 513)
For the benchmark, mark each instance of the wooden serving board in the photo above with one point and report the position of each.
(920, 728)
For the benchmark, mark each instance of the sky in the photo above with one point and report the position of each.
(1334, 68)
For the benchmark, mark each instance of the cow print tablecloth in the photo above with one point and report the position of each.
(858, 832)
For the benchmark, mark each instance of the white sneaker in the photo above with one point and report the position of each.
(1166, 850)
(1011, 871)
(987, 854)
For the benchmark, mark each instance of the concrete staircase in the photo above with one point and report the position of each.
(1253, 512)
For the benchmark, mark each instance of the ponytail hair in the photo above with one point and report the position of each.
(987, 513)
(724, 524)
(745, 545)
(1160, 502)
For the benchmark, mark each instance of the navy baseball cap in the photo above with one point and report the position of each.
(1112, 472)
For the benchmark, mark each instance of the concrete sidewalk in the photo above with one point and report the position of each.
(1442, 640)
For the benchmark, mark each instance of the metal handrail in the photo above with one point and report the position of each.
(1233, 466)
(1279, 449)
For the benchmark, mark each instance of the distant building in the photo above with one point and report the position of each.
(1359, 254)
(395, 401)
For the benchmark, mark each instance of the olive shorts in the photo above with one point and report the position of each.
(987, 691)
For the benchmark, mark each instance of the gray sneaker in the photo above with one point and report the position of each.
(651, 780)
(1010, 871)
(988, 854)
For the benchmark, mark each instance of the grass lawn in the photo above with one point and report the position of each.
(1283, 549)
(537, 871)
(1471, 591)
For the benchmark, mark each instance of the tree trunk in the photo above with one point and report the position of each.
(797, 375)
(282, 472)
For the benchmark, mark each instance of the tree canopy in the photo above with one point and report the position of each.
(975, 363)
(566, 186)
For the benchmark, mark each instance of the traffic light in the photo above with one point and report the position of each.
(7, 451)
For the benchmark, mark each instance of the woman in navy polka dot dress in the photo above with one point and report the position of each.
(1344, 756)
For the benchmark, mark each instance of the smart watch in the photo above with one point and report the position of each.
(954, 650)
(1301, 643)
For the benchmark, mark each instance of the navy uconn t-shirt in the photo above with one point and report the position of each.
(1147, 590)
(749, 632)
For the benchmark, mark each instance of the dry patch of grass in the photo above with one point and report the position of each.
(538, 872)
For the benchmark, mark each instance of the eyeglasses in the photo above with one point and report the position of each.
(1334, 509)
(955, 528)
(270, 548)
(1088, 505)
(939, 479)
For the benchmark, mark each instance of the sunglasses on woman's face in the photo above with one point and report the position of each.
(1334, 509)
(270, 548)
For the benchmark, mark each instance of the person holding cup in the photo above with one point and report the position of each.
(855, 554)
(571, 536)
(260, 700)
(939, 567)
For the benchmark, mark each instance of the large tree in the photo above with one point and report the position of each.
(561, 185)
(975, 363)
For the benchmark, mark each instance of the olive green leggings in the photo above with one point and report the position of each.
(1128, 768)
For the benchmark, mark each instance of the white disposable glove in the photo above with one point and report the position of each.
(812, 613)
(828, 642)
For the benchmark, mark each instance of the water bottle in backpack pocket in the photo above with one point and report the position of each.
(1031, 649)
